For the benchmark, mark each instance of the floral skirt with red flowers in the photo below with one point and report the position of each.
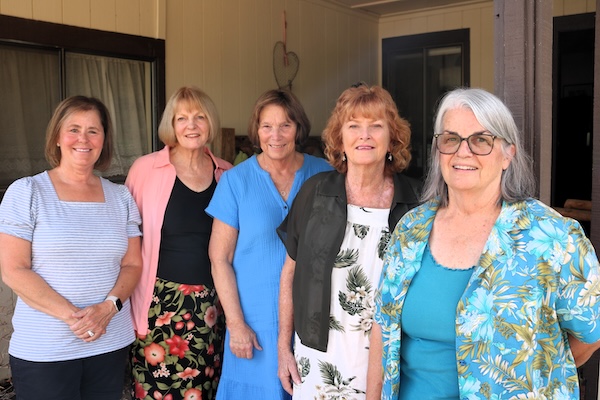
(181, 356)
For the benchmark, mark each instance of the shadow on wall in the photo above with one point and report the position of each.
(7, 306)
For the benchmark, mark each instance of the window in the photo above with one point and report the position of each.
(43, 63)
(417, 71)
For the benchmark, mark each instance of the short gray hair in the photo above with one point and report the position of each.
(518, 182)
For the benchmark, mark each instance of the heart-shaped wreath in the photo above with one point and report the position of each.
(285, 66)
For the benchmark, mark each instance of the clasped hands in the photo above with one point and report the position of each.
(89, 323)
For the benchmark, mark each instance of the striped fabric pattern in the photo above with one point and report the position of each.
(77, 248)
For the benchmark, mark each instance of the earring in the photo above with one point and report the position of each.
(57, 144)
(389, 157)
(344, 157)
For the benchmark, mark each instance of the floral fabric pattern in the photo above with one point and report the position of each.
(340, 372)
(180, 358)
(537, 280)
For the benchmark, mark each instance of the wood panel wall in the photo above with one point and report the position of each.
(134, 17)
(226, 48)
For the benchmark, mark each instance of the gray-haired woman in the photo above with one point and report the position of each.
(485, 292)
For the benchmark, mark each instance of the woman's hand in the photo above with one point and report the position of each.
(375, 366)
(92, 321)
(223, 239)
(242, 340)
(288, 370)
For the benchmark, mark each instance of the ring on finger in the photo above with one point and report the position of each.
(91, 333)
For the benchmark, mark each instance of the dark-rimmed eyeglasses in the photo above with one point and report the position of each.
(480, 143)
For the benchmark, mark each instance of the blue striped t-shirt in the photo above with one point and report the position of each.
(76, 247)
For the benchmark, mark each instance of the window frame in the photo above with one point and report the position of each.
(25, 32)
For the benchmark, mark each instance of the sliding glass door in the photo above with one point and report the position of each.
(417, 71)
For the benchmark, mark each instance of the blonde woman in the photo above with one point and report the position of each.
(177, 313)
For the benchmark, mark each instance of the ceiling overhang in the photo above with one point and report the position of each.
(388, 7)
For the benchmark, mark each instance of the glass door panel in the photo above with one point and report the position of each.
(417, 71)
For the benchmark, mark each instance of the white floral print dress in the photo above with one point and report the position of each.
(341, 372)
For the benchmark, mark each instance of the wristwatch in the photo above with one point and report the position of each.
(116, 301)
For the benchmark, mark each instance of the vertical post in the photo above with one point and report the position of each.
(595, 229)
(523, 78)
(523, 54)
(591, 370)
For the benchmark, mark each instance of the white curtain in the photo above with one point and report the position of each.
(124, 87)
(29, 90)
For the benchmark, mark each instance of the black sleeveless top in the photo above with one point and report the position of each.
(183, 255)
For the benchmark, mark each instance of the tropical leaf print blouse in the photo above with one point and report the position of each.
(537, 280)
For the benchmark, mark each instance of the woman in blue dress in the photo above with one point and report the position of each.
(251, 200)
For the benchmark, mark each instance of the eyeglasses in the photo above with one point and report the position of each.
(480, 143)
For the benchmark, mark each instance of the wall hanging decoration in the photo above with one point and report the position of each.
(285, 64)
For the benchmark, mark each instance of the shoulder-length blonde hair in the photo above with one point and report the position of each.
(369, 102)
(193, 98)
(64, 110)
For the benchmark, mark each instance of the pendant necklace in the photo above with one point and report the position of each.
(285, 190)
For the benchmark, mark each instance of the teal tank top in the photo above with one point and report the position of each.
(428, 357)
